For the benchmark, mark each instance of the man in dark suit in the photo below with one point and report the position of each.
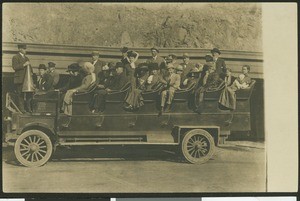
(52, 72)
(45, 81)
(124, 58)
(97, 104)
(19, 63)
(97, 62)
(155, 58)
(219, 63)
(187, 66)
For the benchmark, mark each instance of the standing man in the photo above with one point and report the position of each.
(97, 62)
(124, 58)
(53, 74)
(155, 58)
(187, 66)
(19, 63)
(173, 83)
(219, 63)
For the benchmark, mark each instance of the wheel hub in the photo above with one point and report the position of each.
(34, 147)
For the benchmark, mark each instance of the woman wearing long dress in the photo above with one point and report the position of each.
(86, 84)
(228, 95)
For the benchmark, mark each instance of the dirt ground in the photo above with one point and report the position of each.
(239, 166)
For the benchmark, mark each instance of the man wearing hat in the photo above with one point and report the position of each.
(19, 63)
(98, 64)
(172, 84)
(124, 58)
(154, 78)
(187, 65)
(219, 63)
(118, 81)
(52, 72)
(155, 58)
(45, 81)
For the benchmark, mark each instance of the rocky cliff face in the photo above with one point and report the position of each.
(227, 26)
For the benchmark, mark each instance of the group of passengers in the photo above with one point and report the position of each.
(164, 75)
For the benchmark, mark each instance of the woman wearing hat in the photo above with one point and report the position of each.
(86, 84)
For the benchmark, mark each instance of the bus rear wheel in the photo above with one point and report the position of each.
(197, 146)
(33, 148)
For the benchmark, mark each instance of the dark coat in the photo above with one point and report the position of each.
(159, 60)
(55, 77)
(118, 81)
(186, 69)
(221, 67)
(45, 83)
(98, 66)
(17, 64)
(73, 82)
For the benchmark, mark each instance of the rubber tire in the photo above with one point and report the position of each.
(184, 149)
(43, 136)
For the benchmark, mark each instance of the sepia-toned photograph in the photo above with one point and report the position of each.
(133, 98)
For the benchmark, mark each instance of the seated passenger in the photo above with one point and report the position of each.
(116, 82)
(154, 78)
(53, 73)
(228, 95)
(86, 84)
(172, 84)
(211, 82)
(191, 79)
(45, 80)
(187, 65)
(198, 67)
(134, 99)
(75, 78)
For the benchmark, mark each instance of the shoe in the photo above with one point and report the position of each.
(168, 108)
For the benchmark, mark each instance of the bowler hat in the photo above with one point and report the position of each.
(215, 50)
(22, 46)
(73, 67)
(185, 55)
(51, 64)
(119, 65)
(42, 66)
(95, 53)
(155, 48)
(124, 49)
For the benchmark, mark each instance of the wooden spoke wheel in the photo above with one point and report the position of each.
(197, 146)
(33, 148)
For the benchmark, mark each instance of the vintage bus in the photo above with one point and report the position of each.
(35, 136)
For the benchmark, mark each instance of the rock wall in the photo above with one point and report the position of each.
(194, 25)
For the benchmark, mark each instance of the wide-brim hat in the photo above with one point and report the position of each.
(51, 64)
(215, 50)
(42, 66)
(73, 67)
(155, 48)
(124, 49)
(22, 46)
(131, 54)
